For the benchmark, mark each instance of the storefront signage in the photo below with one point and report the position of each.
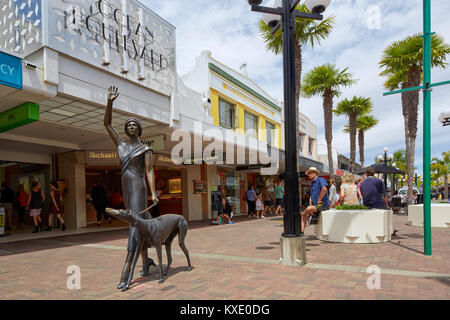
(308, 163)
(200, 186)
(122, 36)
(19, 116)
(211, 159)
(156, 142)
(102, 157)
(10, 71)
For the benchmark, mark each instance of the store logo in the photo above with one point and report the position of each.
(120, 31)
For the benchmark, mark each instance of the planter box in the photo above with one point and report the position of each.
(355, 226)
(440, 215)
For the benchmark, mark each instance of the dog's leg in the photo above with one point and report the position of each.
(133, 265)
(125, 271)
(169, 258)
(159, 253)
(181, 236)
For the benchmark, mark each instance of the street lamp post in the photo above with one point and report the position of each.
(385, 158)
(283, 14)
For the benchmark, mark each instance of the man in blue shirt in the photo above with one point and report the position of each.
(318, 201)
(373, 191)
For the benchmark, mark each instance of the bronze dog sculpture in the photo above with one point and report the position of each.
(154, 232)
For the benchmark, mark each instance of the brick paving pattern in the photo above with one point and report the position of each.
(238, 261)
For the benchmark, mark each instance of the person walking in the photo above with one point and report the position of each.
(333, 193)
(7, 202)
(99, 200)
(251, 201)
(319, 200)
(279, 198)
(35, 201)
(22, 202)
(56, 206)
(268, 201)
(259, 206)
(349, 191)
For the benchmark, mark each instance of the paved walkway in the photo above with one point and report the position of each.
(238, 261)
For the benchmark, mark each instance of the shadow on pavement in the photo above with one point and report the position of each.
(154, 276)
(406, 247)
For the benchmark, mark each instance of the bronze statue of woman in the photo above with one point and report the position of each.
(136, 164)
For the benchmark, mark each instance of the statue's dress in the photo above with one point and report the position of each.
(132, 163)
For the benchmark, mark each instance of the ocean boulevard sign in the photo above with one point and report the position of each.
(121, 36)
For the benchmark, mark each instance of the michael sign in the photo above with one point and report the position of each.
(121, 36)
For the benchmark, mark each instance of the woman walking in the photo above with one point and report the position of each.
(35, 201)
(56, 206)
(268, 201)
(251, 199)
(22, 202)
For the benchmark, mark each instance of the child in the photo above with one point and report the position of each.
(259, 206)
(227, 212)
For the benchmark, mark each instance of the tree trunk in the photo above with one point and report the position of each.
(361, 147)
(328, 121)
(352, 125)
(412, 103)
(445, 186)
(405, 120)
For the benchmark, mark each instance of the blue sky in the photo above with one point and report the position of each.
(229, 30)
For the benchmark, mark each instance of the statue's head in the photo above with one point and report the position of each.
(133, 127)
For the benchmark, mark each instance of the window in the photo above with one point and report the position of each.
(300, 142)
(311, 145)
(251, 125)
(226, 114)
(270, 129)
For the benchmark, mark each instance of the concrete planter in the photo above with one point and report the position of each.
(355, 226)
(440, 215)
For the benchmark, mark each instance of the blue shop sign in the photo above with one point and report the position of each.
(10, 71)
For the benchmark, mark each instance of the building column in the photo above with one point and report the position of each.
(71, 166)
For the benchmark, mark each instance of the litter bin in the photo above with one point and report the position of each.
(2, 221)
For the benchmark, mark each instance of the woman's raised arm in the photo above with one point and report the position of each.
(112, 95)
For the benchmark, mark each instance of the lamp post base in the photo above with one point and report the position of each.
(293, 251)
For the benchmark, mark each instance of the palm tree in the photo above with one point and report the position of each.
(306, 32)
(441, 169)
(363, 123)
(325, 81)
(403, 65)
(354, 108)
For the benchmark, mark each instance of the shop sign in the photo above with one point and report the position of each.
(200, 186)
(10, 71)
(102, 157)
(19, 116)
(122, 36)
(156, 142)
(308, 163)
(211, 159)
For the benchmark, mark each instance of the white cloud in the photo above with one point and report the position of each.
(229, 30)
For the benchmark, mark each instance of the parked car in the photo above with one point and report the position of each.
(403, 192)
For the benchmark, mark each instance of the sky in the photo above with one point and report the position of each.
(363, 29)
